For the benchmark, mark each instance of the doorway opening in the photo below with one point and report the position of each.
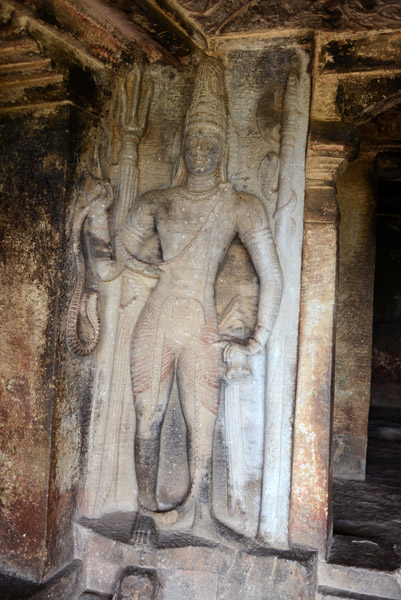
(366, 517)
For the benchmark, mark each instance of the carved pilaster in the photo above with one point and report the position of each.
(310, 501)
(325, 164)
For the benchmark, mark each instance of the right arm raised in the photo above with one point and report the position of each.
(110, 257)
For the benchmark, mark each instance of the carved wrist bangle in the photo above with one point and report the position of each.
(98, 224)
(98, 218)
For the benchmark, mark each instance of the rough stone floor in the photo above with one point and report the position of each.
(367, 514)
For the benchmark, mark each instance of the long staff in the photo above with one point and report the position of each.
(136, 96)
(281, 355)
(106, 450)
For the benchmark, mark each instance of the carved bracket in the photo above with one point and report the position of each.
(331, 146)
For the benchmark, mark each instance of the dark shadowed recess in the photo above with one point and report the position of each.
(367, 525)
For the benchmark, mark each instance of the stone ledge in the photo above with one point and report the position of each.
(206, 573)
(370, 583)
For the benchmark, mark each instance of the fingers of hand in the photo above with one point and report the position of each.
(152, 270)
(233, 348)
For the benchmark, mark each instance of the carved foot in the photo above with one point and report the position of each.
(193, 525)
(179, 519)
(206, 527)
(144, 532)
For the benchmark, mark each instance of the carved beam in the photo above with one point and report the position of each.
(171, 15)
(55, 42)
(26, 77)
(103, 32)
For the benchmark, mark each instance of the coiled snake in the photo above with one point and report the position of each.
(81, 301)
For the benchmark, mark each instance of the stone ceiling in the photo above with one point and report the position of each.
(111, 31)
(89, 41)
(216, 17)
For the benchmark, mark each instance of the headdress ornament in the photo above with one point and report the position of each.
(208, 103)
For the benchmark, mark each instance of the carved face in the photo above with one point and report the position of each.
(134, 587)
(202, 151)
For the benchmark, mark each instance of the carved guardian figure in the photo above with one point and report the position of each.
(176, 335)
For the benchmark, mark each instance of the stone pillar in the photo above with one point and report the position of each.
(356, 199)
(33, 193)
(311, 484)
(41, 132)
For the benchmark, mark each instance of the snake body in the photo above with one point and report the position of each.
(80, 299)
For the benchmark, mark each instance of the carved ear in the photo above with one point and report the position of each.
(179, 170)
(231, 158)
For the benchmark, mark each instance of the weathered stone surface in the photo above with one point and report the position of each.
(363, 551)
(310, 518)
(77, 48)
(367, 510)
(365, 513)
(355, 91)
(195, 572)
(336, 580)
(102, 30)
(63, 585)
(33, 193)
(72, 383)
(357, 53)
(26, 76)
(356, 199)
(333, 596)
(240, 16)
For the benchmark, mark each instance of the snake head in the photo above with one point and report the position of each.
(98, 191)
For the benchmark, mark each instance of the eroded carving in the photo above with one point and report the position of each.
(176, 337)
(83, 305)
(136, 584)
(223, 16)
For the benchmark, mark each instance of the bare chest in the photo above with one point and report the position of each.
(204, 222)
(185, 213)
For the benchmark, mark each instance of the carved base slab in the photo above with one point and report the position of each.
(196, 572)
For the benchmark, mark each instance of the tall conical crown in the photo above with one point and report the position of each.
(208, 103)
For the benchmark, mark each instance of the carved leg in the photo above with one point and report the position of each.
(150, 411)
(152, 370)
(147, 462)
(198, 384)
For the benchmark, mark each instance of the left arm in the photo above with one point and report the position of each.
(254, 231)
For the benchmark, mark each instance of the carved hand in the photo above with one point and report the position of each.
(253, 345)
(149, 269)
(237, 368)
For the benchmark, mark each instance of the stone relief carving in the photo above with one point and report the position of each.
(136, 584)
(83, 305)
(176, 335)
(166, 360)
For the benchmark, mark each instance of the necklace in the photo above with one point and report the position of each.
(190, 193)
